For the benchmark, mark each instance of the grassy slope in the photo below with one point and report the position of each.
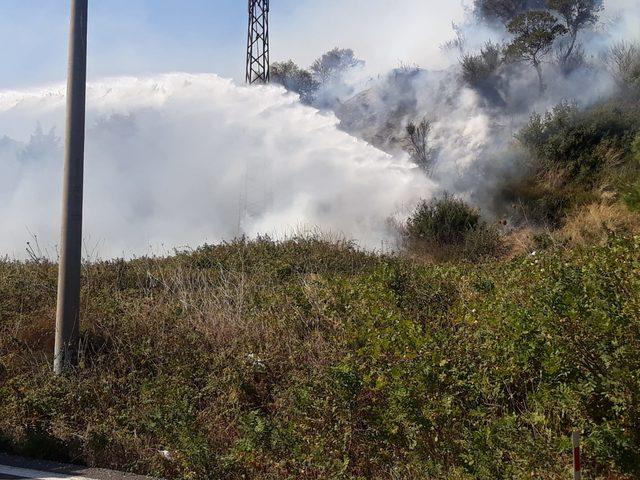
(310, 360)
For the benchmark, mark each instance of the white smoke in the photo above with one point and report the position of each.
(473, 129)
(184, 159)
(385, 33)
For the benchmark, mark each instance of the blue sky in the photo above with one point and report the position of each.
(143, 37)
(139, 37)
(125, 37)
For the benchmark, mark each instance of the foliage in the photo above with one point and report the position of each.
(576, 141)
(631, 187)
(623, 60)
(504, 10)
(295, 79)
(334, 64)
(480, 69)
(534, 35)
(307, 359)
(572, 157)
(577, 15)
(452, 227)
(417, 144)
(571, 57)
(445, 220)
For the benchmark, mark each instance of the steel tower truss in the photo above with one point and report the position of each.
(258, 42)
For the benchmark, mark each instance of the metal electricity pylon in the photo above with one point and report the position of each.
(258, 42)
(68, 309)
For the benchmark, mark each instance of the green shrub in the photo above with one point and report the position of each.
(631, 190)
(295, 79)
(623, 60)
(452, 229)
(478, 70)
(445, 221)
(307, 359)
(570, 156)
(541, 204)
(483, 241)
(577, 141)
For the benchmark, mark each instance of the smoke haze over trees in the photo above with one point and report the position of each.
(422, 271)
(474, 108)
(514, 58)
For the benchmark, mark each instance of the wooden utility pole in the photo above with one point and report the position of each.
(68, 309)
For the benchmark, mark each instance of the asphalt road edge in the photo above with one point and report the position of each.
(66, 469)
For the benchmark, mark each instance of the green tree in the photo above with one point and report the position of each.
(504, 10)
(295, 79)
(333, 64)
(577, 15)
(534, 35)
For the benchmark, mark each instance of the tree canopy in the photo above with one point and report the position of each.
(577, 15)
(334, 64)
(534, 35)
(295, 79)
(505, 10)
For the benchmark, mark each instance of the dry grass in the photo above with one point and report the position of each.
(594, 223)
(306, 360)
(520, 241)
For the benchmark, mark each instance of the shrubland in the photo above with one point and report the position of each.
(313, 359)
(461, 356)
(472, 352)
(572, 158)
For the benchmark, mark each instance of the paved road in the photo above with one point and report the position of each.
(20, 468)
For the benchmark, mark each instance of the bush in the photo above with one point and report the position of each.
(483, 241)
(541, 201)
(309, 360)
(573, 157)
(295, 79)
(631, 188)
(418, 144)
(478, 70)
(576, 141)
(446, 221)
(454, 227)
(623, 60)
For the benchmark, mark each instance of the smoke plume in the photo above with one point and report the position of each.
(179, 160)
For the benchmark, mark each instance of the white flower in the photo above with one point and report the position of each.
(166, 454)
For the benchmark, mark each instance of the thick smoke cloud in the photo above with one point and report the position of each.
(473, 130)
(182, 159)
(472, 133)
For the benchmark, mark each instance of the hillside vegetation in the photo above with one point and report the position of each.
(471, 353)
(311, 359)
